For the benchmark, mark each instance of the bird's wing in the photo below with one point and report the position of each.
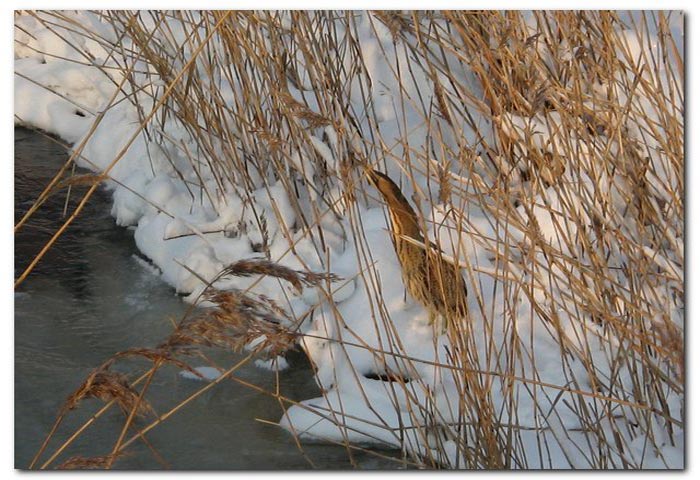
(421, 244)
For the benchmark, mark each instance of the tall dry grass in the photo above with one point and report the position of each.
(525, 116)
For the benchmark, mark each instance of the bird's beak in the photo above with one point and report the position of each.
(370, 176)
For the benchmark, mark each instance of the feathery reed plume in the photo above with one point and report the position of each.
(157, 355)
(237, 320)
(88, 463)
(298, 278)
(106, 386)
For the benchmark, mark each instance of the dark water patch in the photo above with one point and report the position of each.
(90, 297)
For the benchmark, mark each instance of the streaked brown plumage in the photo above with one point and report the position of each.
(431, 280)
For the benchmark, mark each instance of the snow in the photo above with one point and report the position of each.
(191, 233)
(276, 364)
(207, 374)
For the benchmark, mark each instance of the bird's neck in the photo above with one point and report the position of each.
(405, 222)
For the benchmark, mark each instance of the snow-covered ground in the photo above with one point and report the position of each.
(190, 237)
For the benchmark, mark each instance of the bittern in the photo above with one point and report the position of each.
(428, 277)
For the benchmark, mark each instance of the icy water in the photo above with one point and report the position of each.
(90, 297)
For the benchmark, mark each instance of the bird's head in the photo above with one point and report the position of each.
(384, 184)
(403, 218)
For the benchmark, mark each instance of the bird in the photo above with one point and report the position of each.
(429, 278)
